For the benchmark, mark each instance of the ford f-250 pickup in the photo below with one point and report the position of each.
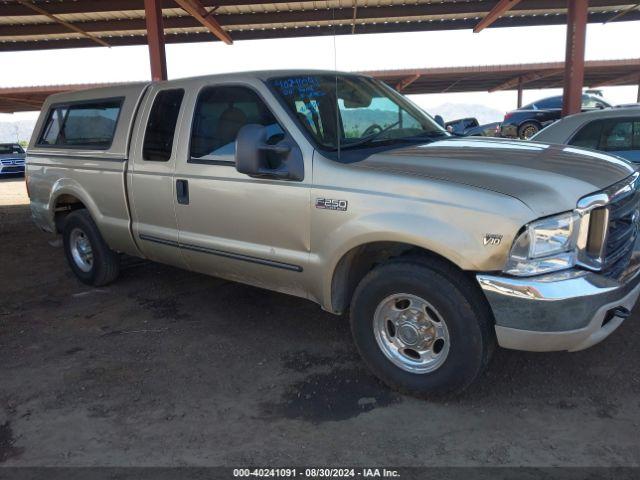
(336, 188)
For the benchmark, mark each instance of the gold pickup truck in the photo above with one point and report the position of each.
(335, 188)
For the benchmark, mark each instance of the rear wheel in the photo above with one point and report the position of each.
(422, 328)
(88, 255)
(528, 130)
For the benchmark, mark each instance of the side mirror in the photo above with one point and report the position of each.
(439, 120)
(256, 158)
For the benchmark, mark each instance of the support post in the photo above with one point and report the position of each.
(519, 92)
(577, 11)
(638, 99)
(155, 39)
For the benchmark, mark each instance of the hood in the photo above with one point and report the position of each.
(547, 178)
(12, 155)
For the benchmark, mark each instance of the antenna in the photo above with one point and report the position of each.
(335, 70)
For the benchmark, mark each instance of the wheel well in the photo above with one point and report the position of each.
(358, 261)
(65, 204)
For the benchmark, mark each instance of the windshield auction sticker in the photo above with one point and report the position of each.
(305, 87)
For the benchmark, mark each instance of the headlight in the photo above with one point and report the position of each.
(545, 246)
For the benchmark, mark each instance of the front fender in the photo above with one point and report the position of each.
(458, 238)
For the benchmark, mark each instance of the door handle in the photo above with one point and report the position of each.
(182, 192)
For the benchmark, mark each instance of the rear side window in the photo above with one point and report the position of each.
(588, 136)
(589, 101)
(90, 124)
(161, 126)
(610, 135)
(551, 102)
(621, 135)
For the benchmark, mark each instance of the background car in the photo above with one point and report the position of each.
(526, 121)
(11, 158)
(470, 127)
(613, 130)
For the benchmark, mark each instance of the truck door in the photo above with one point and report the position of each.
(150, 176)
(246, 229)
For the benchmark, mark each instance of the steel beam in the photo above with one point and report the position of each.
(524, 79)
(574, 61)
(495, 13)
(519, 92)
(155, 39)
(24, 101)
(405, 82)
(631, 77)
(621, 14)
(69, 26)
(197, 11)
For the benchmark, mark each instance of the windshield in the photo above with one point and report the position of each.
(348, 111)
(11, 149)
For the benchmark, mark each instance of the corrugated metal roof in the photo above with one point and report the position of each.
(121, 22)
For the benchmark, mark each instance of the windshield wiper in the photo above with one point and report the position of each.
(370, 138)
(435, 133)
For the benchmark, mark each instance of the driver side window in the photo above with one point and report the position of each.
(220, 113)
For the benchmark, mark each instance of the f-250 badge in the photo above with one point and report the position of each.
(492, 239)
(331, 204)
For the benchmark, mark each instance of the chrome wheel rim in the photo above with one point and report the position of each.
(411, 333)
(529, 132)
(81, 250)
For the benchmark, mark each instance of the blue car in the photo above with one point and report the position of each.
(11, 159)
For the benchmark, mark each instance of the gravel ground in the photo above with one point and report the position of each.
(166, 367)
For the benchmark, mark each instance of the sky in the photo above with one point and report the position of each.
(350, 53)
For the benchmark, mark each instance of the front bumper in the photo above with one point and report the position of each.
(11, 169)
(570, 310)
(508, 130)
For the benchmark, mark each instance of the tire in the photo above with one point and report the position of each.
(528, 130)
(98, 265)
(455, 301)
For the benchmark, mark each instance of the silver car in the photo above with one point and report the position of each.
(11, 159)
(612, 130)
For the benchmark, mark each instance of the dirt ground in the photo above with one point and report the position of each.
(166, 367)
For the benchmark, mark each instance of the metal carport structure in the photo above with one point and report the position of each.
(490, 78)
(518, 77)
(50, 24)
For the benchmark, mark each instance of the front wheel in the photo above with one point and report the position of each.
(422, 328)
(528, 130)
(88, 255)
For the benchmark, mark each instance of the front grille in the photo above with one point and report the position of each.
(624, 215)
(12, 161)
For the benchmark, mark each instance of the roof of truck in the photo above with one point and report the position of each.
(135, 87)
